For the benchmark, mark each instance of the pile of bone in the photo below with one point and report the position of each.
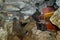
(43, 35)
(58, 35)
(3, 34)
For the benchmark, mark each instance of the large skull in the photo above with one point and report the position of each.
(55, 19)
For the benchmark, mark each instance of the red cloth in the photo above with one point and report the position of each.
(50, 26)
(47, 9)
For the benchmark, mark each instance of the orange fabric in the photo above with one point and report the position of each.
(47, 15)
